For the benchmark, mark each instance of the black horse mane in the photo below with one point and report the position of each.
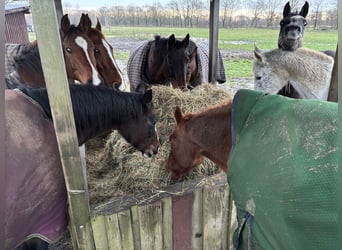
(94, 106)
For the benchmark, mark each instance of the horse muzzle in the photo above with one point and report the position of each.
(150, 151)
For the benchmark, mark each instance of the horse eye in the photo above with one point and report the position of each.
(69, 50)
(258, 77)
(305, 23)
(97, 51)
(281, 23)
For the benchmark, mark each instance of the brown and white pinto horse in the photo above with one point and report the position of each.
(78, 51)
(35, 193)
(105, 61)
(199, 135)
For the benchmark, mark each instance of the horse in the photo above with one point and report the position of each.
(36, 197)
(78, 51)
(198, 135)
(165, 60)
(105, 61)
(303, 73)
(292, 28)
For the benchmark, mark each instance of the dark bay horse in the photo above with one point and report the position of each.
(105, 61)
(169, 60)
(198, 135)
(78, 51)
(36, 198)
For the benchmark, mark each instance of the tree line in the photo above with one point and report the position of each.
(195, 13)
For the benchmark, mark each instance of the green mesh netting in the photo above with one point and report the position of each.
(284, 165)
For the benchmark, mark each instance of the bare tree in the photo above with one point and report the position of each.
(256, 9)
(188, 10)
(176, 13)
(228, 7)
(318, 6)
(272, 8)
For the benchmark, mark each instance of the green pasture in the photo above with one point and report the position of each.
(232, 39)
(243, 39)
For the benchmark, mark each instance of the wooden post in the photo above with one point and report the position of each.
(213, 38)
(47, 32)
(333, 90)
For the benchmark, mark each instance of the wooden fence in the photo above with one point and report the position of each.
(188, 215)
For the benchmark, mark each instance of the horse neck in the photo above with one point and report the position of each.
(156, 66)
(100, 111)
(212, 133)
(283, 45)
(308, 71)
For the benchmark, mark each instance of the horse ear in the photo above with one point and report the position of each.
(85, 23)
(287, 9)
(171, 40)
(147, 97)
(258, 54)
(98, 25)
(305, 9)
(185, 41)
(178, 115)
(65, 24)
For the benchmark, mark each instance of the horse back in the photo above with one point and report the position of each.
(35, 189)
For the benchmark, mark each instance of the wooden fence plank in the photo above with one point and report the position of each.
(136, 227)
(150, 220)
(100, 234)
(197, 221)
(182, 220)
(113, 232)
(126, 231)
(213, 200)
(167, 223)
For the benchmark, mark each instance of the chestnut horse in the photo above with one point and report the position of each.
(35, 193)
(199, 135)
(105, 61)
(78, 51)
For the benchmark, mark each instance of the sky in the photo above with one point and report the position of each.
(95, 4)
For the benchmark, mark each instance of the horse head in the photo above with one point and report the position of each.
(105, 61)
(141, 131)
(179, 163)
(267, 78)
(292, 27)
(178, 61)
(78, 51)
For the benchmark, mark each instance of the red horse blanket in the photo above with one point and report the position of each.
(36, 197)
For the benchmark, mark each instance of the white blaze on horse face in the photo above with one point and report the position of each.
(106, 45)
(80, 41)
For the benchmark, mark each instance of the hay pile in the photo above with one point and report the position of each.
(116, 169)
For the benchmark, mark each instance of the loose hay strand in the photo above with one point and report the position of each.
(115, 168)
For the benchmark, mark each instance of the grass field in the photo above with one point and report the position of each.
(229, 39)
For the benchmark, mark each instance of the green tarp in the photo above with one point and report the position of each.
(282, 171)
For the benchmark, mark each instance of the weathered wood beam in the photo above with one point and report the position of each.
(213, 38)
(47, 32)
